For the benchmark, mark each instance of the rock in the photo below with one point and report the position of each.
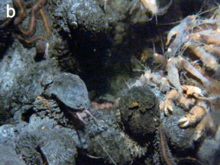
(86, 15)
(7, 146)
(105, 135)
(209, 151)
(43, 141)
(70, 90)
(139, 113)
(180, 140)
(9, 156)
(20, 79)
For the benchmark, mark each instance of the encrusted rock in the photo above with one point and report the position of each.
(42, 141)
(70, 90)
(139, 112)
(181, 140)
(87, 15)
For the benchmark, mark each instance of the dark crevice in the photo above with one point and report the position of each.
(26, 116)
(44, 158)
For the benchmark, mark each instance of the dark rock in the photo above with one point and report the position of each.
(181, 140)
(86, 15)
(70, 90)
(9, 156)
(107, 138)
(20, 78)
(48, 107)
(209, 152)
(139, 112)
(7, 146)
(44, 142)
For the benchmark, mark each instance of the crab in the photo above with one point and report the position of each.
(199, 113)
(193, 33)
(174, 64)
(189, 97)
(183, 99)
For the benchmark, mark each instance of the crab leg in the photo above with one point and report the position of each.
(213, 49)
(172, 33)
(204, 56)
(80, 117)
(191, 69)
(173, 75)
(180, 29)
(205, 125)
(210, 39)
(167, 104)
(87, 112)
(90, 114)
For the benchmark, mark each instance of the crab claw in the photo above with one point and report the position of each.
(196, 114)
(166, 106)
(183, 122)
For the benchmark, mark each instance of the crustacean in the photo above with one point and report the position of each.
(190, 25)
(194, 34)
(153, 7)
(173, 65)
(155, 79)
(198, 114)
(189, 77)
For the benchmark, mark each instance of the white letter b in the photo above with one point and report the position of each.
(8, 10)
